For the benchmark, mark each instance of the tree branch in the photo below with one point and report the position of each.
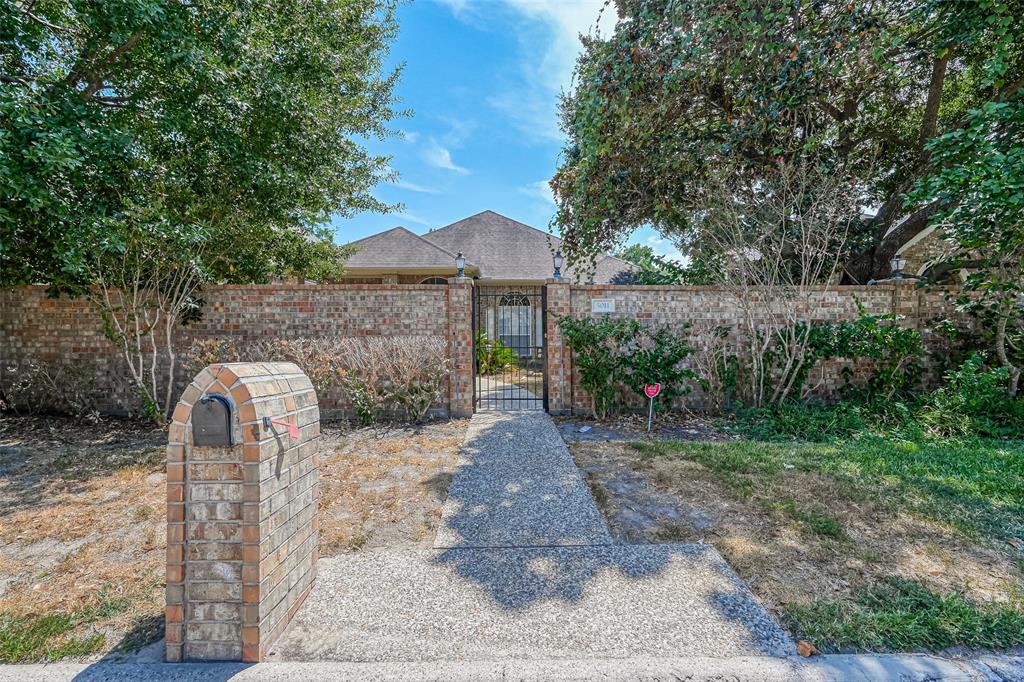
(97, 77)
(43, 22)
(930, 120)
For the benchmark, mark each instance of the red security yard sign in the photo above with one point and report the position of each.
(652, 391)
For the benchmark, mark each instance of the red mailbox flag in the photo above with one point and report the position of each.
(652, 390)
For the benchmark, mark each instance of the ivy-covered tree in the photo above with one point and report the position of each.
(684, 91)
(978, 188)
(235, 119)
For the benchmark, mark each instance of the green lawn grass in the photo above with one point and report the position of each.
(975, 488)
(30, 639)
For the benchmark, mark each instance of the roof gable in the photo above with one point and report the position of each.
(399, 248)
(503, 248)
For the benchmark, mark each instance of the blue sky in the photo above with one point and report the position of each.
(482, 78)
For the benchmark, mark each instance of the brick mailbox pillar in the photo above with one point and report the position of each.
(242, 523)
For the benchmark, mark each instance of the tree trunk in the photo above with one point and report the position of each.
(1004, 359)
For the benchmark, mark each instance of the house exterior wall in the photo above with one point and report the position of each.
(65, 334)
(924, 250)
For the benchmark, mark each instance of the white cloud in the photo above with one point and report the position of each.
(412, 218)
(663, 247)
(539, 190)
(439, 156)
(548, 33)
(458, 131)
(413, 187)
(409, 135)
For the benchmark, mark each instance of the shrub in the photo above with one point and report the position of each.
(202, 353)
(597, 347)
(973, 402)
(405, 373)
(38, 388)
(315, 355)
(609, 352)
(416, 368)
(493, 356)
(655, 356)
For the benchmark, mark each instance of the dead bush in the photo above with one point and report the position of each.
(69, 388)
(377, 373)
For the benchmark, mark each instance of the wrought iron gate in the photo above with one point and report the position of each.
(509, 348)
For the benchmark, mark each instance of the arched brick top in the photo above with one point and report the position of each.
(279, 390)
(242, 526)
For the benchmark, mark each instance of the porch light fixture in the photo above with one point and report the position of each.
(898, 262)
(460, 265)
(558, 260)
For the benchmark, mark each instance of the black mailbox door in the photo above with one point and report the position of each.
(211, 421)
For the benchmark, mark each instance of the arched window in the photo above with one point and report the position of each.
(514, 322)
(434, 280)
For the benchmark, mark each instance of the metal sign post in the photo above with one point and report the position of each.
(652, 391)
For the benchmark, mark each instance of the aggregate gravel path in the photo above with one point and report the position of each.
(530, 604)
(518, 486)
(524, 568)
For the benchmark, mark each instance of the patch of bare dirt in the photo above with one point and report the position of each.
(678, 500)
(384, 486)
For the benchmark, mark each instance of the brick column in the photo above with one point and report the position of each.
(460, 335)
(559, 363)
(242, 524)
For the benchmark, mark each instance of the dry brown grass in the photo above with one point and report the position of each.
(79, 530)
(82, 515)
(785, 564)
(386, 488)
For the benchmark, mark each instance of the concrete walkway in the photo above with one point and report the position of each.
(497, 395)
(523, 569)
(518, 487)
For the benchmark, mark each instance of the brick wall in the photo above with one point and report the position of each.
(67, 332)
(705, 308)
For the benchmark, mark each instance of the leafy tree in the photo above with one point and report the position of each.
(978, 189)
(685, 90)
(656, 269)
(232, 118)
(149, 146)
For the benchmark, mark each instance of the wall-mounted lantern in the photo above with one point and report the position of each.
(460, 265)
(558, 261)
(898, 263)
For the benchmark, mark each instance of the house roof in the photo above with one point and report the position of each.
(399, 249)
(507, 249)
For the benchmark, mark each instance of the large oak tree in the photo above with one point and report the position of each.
(684, 90)
(233, 122)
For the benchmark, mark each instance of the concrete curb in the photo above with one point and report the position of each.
(829, 668)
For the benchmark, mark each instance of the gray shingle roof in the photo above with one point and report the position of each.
(399, 248)
(503, 248)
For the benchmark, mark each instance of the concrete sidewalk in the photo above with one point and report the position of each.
(905, 668)
(530, 604)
